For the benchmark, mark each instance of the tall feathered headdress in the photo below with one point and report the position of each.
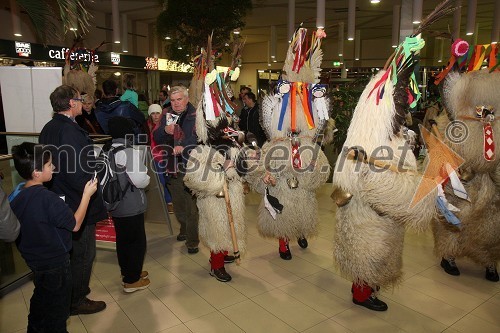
(215, 107)
(379, 118)
(299, 104)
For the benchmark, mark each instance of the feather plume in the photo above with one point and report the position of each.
(443, 9)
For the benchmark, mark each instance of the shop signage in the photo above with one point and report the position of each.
(115, 58)
(77, 55)
(174, 66)
(152, 63)
(23, 49)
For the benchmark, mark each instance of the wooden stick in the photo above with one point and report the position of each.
(236, 251)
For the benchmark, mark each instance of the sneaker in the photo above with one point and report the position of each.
(221, 274)
(491, 274)
(138, 285)
(181, 237)
(144, 275)
(450, 266)
(88, 307)
(170, 208)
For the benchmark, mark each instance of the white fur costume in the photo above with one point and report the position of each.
(370, 228)
(205, 174)
(298, 218)
(206, 178)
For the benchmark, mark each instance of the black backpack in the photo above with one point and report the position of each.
(114, 182)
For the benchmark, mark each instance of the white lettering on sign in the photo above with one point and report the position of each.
(82, 55)
(23, 49)
(115, 58)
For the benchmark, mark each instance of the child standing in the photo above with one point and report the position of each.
(130, 94)
(45, 238)
(155, 113)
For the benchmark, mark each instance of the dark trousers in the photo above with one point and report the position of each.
(49, 305)
(130, 246)
(82, 259)
(185, 209)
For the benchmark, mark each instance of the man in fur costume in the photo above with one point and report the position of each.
(376, 203)
(211, 170)
(291, 162)
(471, 100)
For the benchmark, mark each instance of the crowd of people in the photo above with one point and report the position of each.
(61, 180)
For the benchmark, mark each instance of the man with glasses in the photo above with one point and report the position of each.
(74, 159)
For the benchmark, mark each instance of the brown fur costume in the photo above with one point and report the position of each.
(479, 234)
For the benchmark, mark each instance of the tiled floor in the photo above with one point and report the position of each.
(306, 294)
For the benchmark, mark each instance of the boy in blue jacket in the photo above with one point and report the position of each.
(45, 237)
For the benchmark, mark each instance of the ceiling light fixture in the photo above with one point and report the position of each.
(417, 11)
(471, 17)
(167, 38)
(375, 1)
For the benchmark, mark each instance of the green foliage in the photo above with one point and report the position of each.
(47, 16)
(189, 23)
(343, 103)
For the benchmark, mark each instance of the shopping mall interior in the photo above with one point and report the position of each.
(314, 291)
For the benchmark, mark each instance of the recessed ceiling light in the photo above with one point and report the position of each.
(374, 1)
(18, 35)
(179, 47)
(168, 37)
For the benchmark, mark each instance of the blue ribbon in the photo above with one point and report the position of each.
(448, 215)
(284, 104)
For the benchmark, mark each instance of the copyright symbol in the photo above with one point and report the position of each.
(457, 132)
